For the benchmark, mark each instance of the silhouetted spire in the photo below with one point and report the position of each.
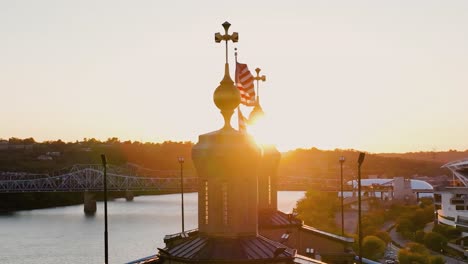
(226, 97)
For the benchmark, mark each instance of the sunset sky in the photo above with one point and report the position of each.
(378, 76)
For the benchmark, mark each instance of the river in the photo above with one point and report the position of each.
(136, 229)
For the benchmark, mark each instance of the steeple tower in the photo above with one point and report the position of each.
(227, 162)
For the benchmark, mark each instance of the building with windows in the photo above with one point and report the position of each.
(451, 202)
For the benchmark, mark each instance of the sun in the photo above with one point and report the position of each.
(263, 131)
(267, 132)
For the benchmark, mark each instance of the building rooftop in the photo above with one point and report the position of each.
(277, 219)
(212, 249)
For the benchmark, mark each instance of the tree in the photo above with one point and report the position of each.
(447, 231)
(417, 248)
(436, 260)
(414, 253)
(419, 218)
(318, 209)
(92, 141)
(373, 247)
(405, 226)
(113, 140)
(14, 140)
(405, 256)
(384, 236)
(435, 241)
(28, 141)
(419, 236)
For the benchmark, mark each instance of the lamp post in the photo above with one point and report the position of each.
(106, 246)
(181, 162)
(342, 160)
(360, 161)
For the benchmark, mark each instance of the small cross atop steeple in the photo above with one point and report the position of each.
(226, 37)
(257, 112)
(259, 78)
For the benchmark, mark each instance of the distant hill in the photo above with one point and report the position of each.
(439, 156)
(47, 157)
(324, 164)
(25, 155)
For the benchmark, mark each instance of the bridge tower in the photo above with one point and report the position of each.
(89, 203)
(129, 195)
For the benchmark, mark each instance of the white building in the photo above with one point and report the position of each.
(401, 188)
(451, 203)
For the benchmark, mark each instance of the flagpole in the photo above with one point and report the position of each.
(235, 80)
(106, 243)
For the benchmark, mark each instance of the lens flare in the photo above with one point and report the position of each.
(263, 131)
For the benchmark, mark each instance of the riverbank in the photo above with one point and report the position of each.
(12, 202)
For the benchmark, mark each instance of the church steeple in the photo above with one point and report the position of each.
(230, 166)
(226, 163)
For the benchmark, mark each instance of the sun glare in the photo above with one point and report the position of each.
(263, 131)
(266, 132)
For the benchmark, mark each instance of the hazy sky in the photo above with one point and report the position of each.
(380, 76)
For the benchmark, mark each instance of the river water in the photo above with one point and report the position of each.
(136, 229)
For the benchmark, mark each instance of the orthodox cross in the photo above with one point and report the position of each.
(226, 37)
(259, 78)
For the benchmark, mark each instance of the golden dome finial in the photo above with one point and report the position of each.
(226, 97)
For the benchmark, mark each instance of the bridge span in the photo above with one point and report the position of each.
(89, 179)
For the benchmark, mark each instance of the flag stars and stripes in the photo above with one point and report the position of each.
(245, 84)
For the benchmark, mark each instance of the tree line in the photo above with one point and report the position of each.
(163, 156)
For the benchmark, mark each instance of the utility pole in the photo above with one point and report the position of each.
(106, 246)
(342, 160)
(360, 161)
(181, 162)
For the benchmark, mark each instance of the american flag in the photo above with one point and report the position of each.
(245, 84)
(242, 121)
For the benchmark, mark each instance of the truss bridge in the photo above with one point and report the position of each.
(82, 178)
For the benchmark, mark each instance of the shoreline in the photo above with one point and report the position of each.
(15, 202)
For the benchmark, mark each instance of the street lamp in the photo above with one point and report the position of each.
(181, 162)
(342, 160)
(106, 243)
(360, 161)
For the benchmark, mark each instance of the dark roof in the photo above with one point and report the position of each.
(177, 236)
(209, 249)
(277, 219)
